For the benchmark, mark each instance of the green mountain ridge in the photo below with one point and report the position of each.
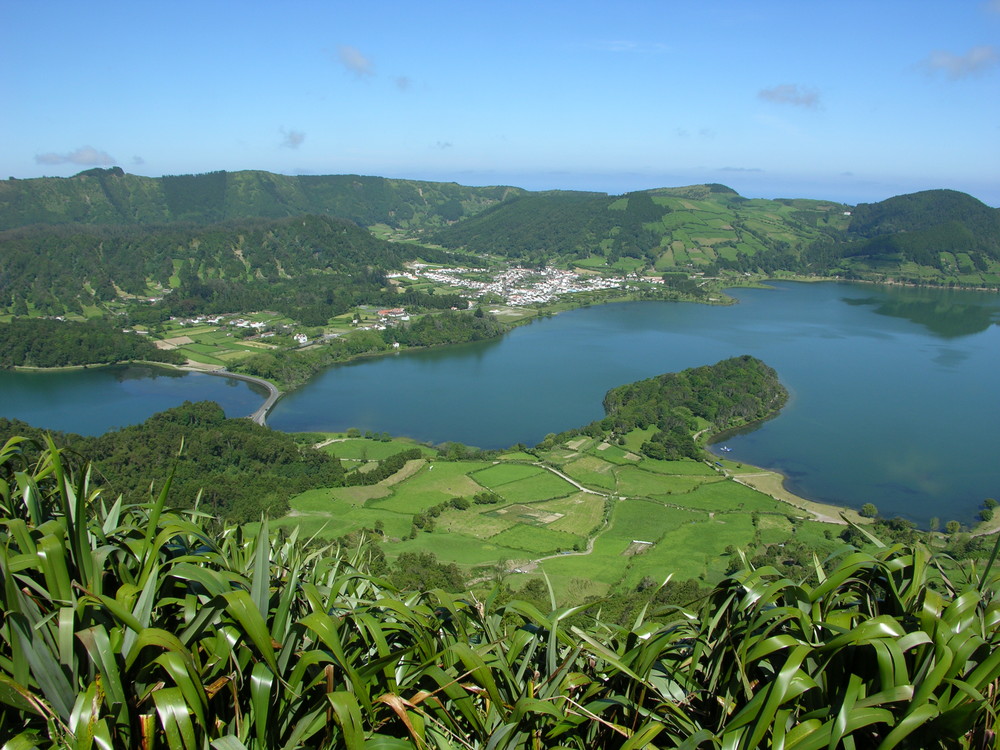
(112, 196)
(70, 243)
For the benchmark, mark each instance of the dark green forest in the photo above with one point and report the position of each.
(308, 267)
(39, 342)
(293, 367)
(729, 394)
(113, 197)
(231, 468)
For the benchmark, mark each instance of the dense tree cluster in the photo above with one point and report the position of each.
(308, 267)
(37, 342)
(233, 468)
(728, 394)
(448, 328)
(292, 368)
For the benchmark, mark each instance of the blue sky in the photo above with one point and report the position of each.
(852, 101)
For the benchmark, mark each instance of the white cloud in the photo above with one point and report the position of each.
(87, 156)
(293, 138)
(976, 60)
(403, 83)
(740, 169)
(352, 59)
(790, 93)
(992, 6)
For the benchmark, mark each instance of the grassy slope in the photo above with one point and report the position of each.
(690, 511)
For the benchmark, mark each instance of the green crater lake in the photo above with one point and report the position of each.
(894, 396)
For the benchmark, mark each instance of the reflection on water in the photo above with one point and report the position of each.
(945, 313)
(144, 372)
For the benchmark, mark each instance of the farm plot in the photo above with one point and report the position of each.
(579, 513)
(634, 482)
(473, 523)
(592, 472)
(685, 467)
(533, 515)
(615, 455)
(458, 548)
(501, 474)
(729, 495)
(433, 484)
(695, 549)
(341, 519)
(544, 486)
(648, 521)
(535, 541)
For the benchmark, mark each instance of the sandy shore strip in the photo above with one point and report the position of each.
(772, 483)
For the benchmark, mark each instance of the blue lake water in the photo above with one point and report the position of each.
(94, 400)
(894, 390)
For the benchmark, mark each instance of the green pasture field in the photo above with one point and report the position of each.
(729, 495)
(535, 540)
(366, 449)
(475, 522)
(616, 455)
(689, 511)
(201, 348)
(696, 550)
(457, 548)
(505, 473)
(633, 481)
(581, 512)
(686, 467)
(517, 456)
(531, 489)
(635, 438)
(435, 483)
(593, 472)
(649, 520)
(593, 261)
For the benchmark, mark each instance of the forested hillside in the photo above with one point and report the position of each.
(939, 229)
(254, 240)
(309, 267)
(111, 196)
(706, 227)
(38, 342)
(932, 237)
(232, 468)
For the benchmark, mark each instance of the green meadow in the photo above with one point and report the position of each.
(588, 515)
